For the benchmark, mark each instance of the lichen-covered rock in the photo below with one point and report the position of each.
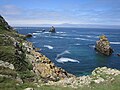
(103, 46)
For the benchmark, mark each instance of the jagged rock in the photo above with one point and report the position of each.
(52, 30)
(103, 46)
(43, 30)
(4, 24)
(28, 36)
(118, 54)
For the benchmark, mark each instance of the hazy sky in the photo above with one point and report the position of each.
(105, 12)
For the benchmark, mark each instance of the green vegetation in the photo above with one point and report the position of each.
(7, 71)
(11, 84)
(27, 76)
(13, 55)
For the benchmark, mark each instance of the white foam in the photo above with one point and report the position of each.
(83, 39)
(114, 42)
(48, 46)
(34, 36)
(89, 36)
(65, 52)
(77, 44)
(36, 33)
(61, 32)
(92, 46)
(57, 37)
(46, 32)
(63, 60)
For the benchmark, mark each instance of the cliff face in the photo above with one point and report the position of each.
(13, 63)
(103, 46)
(22, 60)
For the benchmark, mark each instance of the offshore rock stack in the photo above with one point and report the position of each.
(52, 30)
(103, 46)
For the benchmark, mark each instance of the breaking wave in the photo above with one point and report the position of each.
(114, 42)
(57, 37)
(61, 32)
(48, 46)
(63, 60)
(84, 39)
(65, 52)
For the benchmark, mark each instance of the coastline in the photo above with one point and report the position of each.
(21, 63)
(99, 75)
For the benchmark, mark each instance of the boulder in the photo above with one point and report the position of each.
(28, 89)
(52, 30)
(118, 55)
(103, 46)
(43, 30)
(28, 36)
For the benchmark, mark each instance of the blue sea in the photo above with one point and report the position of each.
(73, 48)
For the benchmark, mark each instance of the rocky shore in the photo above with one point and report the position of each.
(99, 75)
(21, 62)
(43, 67)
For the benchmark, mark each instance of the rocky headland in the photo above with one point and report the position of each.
(22, 64)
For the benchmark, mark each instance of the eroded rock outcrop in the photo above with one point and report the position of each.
(52, 30)
(103, 46)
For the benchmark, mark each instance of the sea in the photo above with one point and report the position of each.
(73, 48)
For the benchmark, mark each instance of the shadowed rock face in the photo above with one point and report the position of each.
(28, 36)
(4, 24)
(103, 46)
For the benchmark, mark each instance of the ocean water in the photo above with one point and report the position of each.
(73, 48)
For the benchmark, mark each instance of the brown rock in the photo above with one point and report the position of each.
(103, 46)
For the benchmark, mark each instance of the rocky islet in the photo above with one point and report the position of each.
(103, 46)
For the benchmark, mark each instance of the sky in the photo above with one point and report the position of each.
(23, 12)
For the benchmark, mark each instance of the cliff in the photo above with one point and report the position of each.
(20, 61)
(22, 67)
